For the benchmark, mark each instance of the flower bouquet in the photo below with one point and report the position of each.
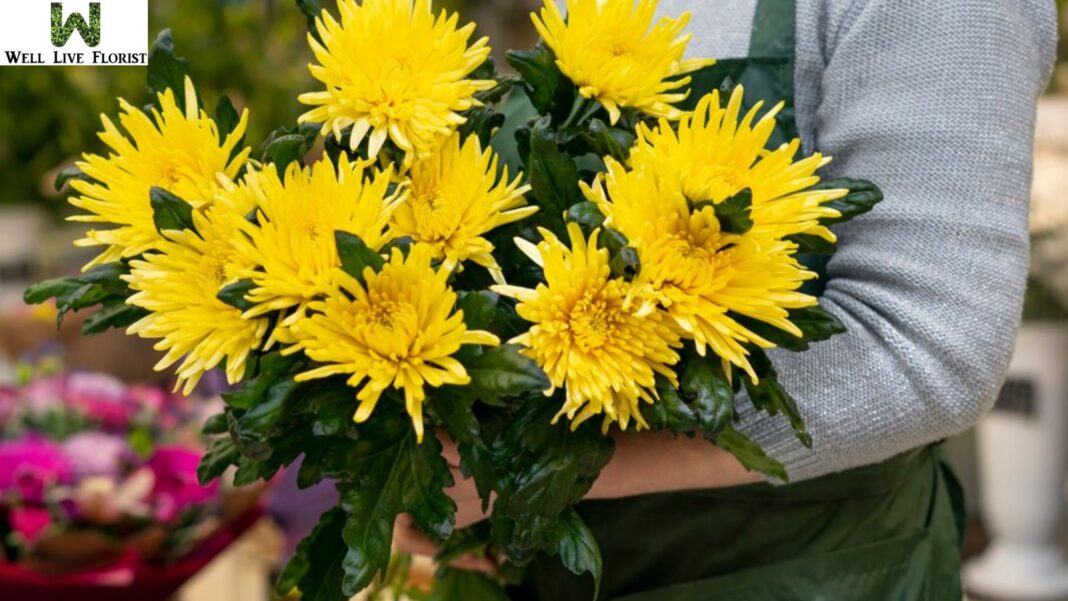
(395, 262)
(98, 489)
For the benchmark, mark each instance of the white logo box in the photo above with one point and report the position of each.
(26, 36)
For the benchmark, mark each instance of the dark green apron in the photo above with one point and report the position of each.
(886, 532)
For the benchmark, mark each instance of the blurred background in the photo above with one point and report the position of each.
(1012, 467)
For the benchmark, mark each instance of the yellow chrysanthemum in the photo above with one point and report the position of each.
(713, 156)
(179, 283)
(455, 197)
(615, 54)
(588, 336)
(292, 243)
(175, 150)
(399, 330)
(392, 69)
(697, 272)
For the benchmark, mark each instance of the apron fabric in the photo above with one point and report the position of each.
(885, 532)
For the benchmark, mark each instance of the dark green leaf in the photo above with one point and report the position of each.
(815, 325)
(607, 141)
(234, 294)
(220, 455)
(504, 86)
(464, 585)
(477, 463)
(311, 11)
(272, 368)
(586, 214)
(59, 288)
(670, 412)
(216, 424)
(226, 117)
(316, 567)
(252, 432)
(750, 454)
(808, 243)
(466, 541)
(479, 309)
(170, 212)
(383, 474)
(284, 150)
(735, 213)
(68, 174)
(481, 121)
(624, 260)
(502, 371)
(863, 196)
(545, 85)
(770, 396)
(573, 542)
(331, 404)
(165, 70)
(705, 386)
(454, 409)
(355, 255)
(553, 175)
(114, 315)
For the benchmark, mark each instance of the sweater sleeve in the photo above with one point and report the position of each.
(935, 102)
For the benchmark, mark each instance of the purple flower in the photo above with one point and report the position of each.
(30, 467)
(176, 487)
(96, 454)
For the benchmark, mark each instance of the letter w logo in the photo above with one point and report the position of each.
(61, 31)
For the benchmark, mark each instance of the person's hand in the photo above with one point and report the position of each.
(407, 537)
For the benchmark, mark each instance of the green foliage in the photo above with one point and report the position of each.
(170, 212)
(355, 255)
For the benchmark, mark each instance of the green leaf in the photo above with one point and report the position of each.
(505, 83)
(331, 405)
(548, 89)
(253, 431)
(705, 386)
(226, 118)
(383, 474)
(481, 121)
(815, 245)
(608, 141)
(316, 567)
(272, 368)
(549, 468)
(586, 214)
(170, 212)
(311, 10)
(220, 455)
(669, 412)
(355, 255)
(235, 294)
(455, 410)
(464, 585)
(479, 309)
(553, 175)
(573, 542)
(287, 145)
(624, 261)
(770, 396)
(750, 454)
(113, 315)
(734, 214)
(815, 324)
(68, 174)
(476, 462)
(502, 371)
(216, 424)
(58, 288)
(863, 196)
(165, 70)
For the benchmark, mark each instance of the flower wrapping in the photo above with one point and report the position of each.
(623, 261)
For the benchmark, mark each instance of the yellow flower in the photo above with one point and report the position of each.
(392, 69)
(698, 273)
(455, 198)
(588, 336)
(713, 156)
(179, 283)
(292, 244)
(178, 151)
(612, 51)
(399, 330)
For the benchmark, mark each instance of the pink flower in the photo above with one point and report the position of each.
(176, 487)
(30, 467)
(101, 397)
(30, 522)
(96, 454)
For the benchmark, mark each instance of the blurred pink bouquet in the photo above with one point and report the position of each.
(91, 468)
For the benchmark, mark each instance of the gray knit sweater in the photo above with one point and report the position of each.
(934, 100)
